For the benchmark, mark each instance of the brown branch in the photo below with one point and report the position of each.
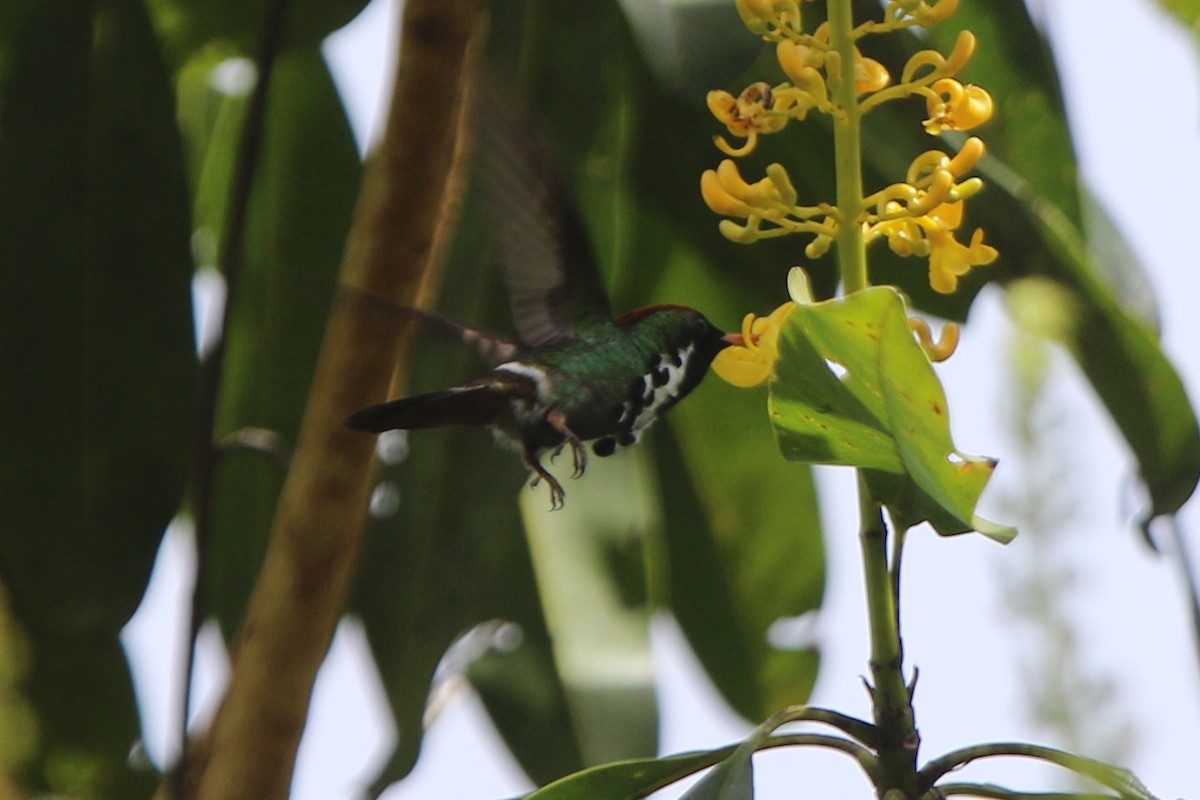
(315, 540)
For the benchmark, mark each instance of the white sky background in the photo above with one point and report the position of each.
(1131, 78)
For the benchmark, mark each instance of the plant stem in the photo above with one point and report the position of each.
(851, 247)
(890, 696)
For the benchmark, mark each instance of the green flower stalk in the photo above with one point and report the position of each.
(851, 380)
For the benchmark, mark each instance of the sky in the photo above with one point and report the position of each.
(1130, 76)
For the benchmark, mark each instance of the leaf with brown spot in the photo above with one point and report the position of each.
(854, 388)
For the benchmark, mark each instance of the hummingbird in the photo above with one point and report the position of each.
(577, 372)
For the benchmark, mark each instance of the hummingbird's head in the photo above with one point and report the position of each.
(676, 329)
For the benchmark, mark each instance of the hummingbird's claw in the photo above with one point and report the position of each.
(557, 495)
(579, 456)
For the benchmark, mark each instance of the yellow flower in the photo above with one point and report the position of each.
(795, 58)
(750, 360)
(949, 260)
(726, 192)
(937, 350)
(764, 17)
(927, 14)
(956, 107)
(932, 234)
(869, 74)
(747, 115)
(802, 63)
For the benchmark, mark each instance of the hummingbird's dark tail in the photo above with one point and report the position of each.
(476, 403)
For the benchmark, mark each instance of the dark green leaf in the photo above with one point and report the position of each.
(300, 212)
(1035, 170)
(97, 437)
(1120, 355)
(737, 518)
(687, 45)
(451, 558)
(1032, 212)
(455, 556)
(589, 559)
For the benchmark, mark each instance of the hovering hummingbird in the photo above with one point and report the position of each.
(577, 374)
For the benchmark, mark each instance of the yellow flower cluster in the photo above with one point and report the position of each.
(917, 217)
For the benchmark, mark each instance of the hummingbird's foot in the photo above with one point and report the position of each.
(579, 456)
(557, 495)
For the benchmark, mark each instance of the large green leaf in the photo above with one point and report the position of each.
(453, 556)
(853, 388)
(589, 558)
(1119, 354)
(727, 536)
(740, 520)
(737, 519)
(299, 215)
(1032, 212)
(1034, 169)
(98, 428)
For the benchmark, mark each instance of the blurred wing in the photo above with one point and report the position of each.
(551, 273)
(494, 348)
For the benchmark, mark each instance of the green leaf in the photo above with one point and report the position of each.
(452, 558)
(732, 779)
(1186, 11)
(853, 388)
(1120, 355)
(691, 47)
(629, 780)
(1033, 213)
(726, 532)
(99, 431)
(737, 520)
(589, 560)
(303, 194)
(455, 556)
